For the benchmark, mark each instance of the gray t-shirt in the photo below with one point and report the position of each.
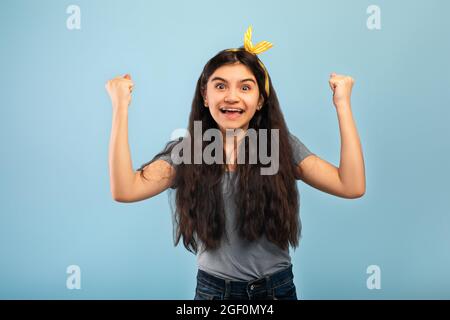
(238, 258)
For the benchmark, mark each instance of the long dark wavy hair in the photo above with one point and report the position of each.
(267, 204)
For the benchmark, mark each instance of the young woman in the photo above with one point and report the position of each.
(238, 221)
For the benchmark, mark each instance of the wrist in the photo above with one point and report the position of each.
(343, 107)
(120, 110)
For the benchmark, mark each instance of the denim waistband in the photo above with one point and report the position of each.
(267, 282)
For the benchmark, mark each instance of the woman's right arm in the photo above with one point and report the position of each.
(126, 184)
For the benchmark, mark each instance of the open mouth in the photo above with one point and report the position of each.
(226, 110)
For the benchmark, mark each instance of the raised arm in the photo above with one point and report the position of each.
(347, 181)
(126, 184)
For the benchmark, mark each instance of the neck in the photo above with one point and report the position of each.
(233, 136)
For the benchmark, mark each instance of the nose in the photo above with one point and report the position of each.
(231, 96)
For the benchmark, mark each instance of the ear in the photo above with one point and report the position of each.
(261, 100)
(203, 93)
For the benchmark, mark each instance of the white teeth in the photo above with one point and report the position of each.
(231, 109)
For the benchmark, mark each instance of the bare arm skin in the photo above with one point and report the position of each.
(347, 181)
(126, 184)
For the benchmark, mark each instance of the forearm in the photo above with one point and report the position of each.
(120, 164)
(351, 166)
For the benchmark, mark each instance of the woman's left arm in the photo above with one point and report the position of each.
(347, 181)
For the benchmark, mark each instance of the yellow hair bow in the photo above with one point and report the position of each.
(256, 49)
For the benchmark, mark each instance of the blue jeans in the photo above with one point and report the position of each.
(275, 286)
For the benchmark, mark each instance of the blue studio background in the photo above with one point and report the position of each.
(55, 123)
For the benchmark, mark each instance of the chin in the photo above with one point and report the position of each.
(232, 125)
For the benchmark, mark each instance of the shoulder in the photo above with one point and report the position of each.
(165, 154)
(299, 149)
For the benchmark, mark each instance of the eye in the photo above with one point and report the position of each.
(246, 87)
(219, 84)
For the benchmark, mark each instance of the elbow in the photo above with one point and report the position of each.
(355, 194)
(359, 195)
(122, 199)
(357, 190)
(118, 197)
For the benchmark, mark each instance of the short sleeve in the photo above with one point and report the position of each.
(165, 155)
(299, 150)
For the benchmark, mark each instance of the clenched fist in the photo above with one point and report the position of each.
(119, 90)
(342, 89)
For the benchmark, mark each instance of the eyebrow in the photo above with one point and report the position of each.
(222, 79)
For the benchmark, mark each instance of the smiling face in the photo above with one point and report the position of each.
(232, 96)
